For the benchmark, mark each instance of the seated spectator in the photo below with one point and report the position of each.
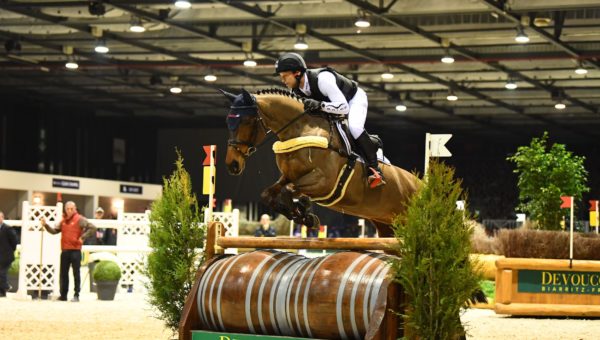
(265, 229)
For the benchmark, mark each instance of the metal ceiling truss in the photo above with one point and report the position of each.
(469, 55)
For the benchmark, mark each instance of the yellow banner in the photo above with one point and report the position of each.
(206, 180)
(593, 219)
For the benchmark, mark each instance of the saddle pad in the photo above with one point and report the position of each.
(299, 143)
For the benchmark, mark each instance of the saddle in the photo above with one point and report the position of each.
(344, 130)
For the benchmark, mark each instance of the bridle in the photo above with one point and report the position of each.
(250, 147)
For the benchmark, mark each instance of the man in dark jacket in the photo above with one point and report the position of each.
(75, 229)
(265, 229)
(8, 244)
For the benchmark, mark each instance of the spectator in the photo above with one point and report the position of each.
(97, 237)
(109, 236)
(75, 229)
(265, 229)
(8, 244)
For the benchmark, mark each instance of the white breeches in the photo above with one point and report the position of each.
(358, 113)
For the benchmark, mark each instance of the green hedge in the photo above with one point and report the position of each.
(107, 271)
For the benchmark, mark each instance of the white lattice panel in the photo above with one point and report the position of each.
(231, 223)
(40, 250)
(133, 232)
(40, 277)
(131, 272)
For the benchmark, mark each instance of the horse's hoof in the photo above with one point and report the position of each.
(304, 201)
(312, 221)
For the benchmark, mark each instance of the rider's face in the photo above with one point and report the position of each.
(289, 78)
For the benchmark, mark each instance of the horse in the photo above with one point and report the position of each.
(312, 159)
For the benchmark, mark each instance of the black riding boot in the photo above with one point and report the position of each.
(369, 151)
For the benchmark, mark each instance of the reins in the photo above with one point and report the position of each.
(268, 135)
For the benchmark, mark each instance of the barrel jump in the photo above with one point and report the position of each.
(346, 295)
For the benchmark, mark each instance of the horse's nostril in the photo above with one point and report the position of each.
(235, 166)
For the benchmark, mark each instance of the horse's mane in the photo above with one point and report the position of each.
(280, 92)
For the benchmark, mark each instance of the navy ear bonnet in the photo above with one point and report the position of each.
(242, 105)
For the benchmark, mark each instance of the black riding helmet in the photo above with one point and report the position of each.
(291, 62)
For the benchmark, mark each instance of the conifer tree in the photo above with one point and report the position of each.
(434, 267)
(175, 235)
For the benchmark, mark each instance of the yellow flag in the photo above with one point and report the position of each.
(206, 180)
(593, 219)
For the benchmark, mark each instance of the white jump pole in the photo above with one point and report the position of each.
(571, 237)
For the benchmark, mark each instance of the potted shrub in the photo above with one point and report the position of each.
(107, 275)
(13, 274)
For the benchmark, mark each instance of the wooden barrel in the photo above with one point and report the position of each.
(339, 296)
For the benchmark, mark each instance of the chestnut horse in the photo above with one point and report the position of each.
(310, 157)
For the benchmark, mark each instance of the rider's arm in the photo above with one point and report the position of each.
(329, 88)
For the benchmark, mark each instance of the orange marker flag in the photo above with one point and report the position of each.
(566, 201)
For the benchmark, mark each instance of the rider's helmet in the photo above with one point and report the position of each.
(291, 62)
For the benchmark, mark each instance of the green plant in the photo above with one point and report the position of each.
(14, 267)
(489, 288)
(434, 247)
(175, 235)
(545, 174)
(107, 271)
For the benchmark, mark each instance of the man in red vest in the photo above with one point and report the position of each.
(75, 229)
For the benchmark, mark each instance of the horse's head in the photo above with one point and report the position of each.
(245, 130)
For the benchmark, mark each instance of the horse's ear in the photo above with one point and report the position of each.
(229, 96)
(247, 96)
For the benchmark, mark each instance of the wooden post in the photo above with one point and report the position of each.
(213, 233)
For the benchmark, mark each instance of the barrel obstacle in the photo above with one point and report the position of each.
(346, 295)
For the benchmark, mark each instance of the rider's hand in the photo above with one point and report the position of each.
(311, 105)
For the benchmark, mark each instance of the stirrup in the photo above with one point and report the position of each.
(375, 179)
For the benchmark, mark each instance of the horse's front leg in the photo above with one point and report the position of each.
(300, 209)
(279, 198)
(270, 196)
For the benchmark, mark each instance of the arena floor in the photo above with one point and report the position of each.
(130, 317)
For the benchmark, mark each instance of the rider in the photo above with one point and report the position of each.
(326, 90)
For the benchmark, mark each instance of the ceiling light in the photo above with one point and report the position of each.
(362, 20)
(580, 69)
(101, 47)
(72, 65)
(401, 107)
(387, 75)
(521, 36)
(451, 96)
(300, 43)
(250, 63)
(175, 90)
(447, 59)
(137, 26)
(210, 77)
(560, 106)
(183, 4)
(510, 85)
